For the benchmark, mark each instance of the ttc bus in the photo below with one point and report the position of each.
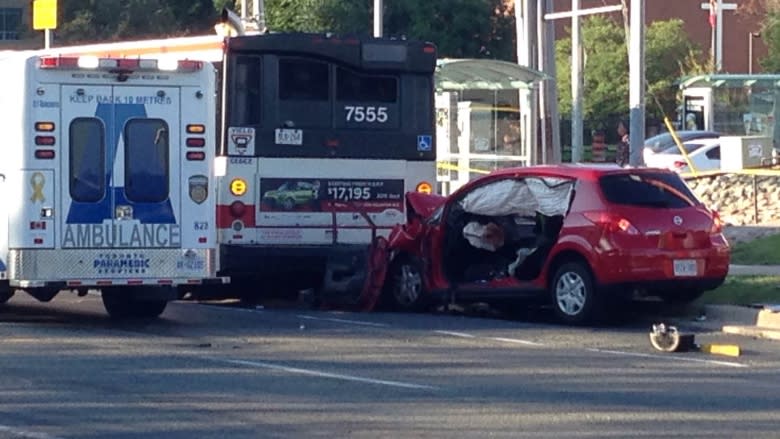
(320, 138)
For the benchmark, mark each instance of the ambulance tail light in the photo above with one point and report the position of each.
(196, 142)
(196, 155)
(44, 126)
(424, 187)
(45, 154)
(44, 140)
(196, 129)
(59, 62)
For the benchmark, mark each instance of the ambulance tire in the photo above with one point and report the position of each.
(121, 306)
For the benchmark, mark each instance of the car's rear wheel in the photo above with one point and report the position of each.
(404, 286)
(574, 295)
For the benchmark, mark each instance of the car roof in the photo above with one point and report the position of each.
(584, 171)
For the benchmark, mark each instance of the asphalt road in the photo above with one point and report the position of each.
(205, 371)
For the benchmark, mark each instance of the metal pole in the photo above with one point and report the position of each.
(542, 92)
(636, 62)
(243, 10)
(719, 40)
(47, 38)
(550, 87)
(378, 17)
(750, 53)
(576, 85)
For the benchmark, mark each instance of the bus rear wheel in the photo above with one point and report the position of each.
(124, 303)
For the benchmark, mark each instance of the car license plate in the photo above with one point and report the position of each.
(286, 136)
(685, 267)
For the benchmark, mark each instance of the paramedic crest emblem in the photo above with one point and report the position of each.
(241, 141)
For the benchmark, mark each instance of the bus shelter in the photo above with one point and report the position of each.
(485, 118)
(731, 104)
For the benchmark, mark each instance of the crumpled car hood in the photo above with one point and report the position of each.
(424, 204)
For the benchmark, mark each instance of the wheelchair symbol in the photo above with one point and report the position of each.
(424, 143)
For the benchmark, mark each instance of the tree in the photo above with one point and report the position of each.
(90, 21)
(606, 68)
(459, 28)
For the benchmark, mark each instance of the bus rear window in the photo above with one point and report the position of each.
(660, 190)
(146, 160)
(303, 80)
(352, 86)
(87, 164)
(247, 89)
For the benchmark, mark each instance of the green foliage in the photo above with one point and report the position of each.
(744, 290)
(90, 21)
(770, 34)
(669, 54)
(764, 251)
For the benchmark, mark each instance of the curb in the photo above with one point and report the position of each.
(754, 270)
(747, 321)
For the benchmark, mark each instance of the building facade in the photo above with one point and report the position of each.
(742, 47)
(16, 26)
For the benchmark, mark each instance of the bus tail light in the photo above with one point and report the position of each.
(237, 209)
(238, 187)
(424, 187)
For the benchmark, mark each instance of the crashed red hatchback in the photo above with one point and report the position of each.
(577, 236)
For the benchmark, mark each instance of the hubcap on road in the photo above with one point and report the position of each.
(570, 293)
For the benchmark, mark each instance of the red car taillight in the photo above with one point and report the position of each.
(611, 222)
(717, 223)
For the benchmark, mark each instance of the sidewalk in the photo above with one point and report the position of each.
(741, 270)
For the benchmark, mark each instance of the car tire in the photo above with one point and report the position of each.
(288, 204)
(682, 297)
(403, 289)
(574, 296)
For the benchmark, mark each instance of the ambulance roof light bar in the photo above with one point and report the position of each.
(119, 64)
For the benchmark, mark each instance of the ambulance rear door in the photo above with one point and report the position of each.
(120, 172)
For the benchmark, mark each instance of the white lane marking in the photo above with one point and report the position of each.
(456, 334)
(667, 357)
(351, 322)
(24, 433)
(516, 341)
(317, 373)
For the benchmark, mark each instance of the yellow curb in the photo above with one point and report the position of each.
(730, 350)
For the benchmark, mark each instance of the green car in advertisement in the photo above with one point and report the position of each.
(292, 194)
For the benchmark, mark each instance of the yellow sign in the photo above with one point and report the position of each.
(44, 14)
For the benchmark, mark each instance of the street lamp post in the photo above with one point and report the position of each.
(751, 35)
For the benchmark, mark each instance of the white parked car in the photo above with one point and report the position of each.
(704, 154)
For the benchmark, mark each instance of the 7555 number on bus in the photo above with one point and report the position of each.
(359, 113)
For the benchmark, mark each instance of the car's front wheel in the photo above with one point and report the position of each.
(574, 295)
(404, 286)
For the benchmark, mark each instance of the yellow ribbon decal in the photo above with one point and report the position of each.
(37, 181)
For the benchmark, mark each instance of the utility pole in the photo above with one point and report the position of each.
(378, 18)
(525, 21)
(636, 82)
(577, 82)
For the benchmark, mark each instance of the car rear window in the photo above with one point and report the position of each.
(661, 190)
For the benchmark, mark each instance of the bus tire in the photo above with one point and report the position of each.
(121, 304)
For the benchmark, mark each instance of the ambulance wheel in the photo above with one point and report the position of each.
(121, 305)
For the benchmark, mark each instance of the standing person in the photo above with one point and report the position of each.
(622, 153)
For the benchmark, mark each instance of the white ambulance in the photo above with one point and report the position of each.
(107, 179)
